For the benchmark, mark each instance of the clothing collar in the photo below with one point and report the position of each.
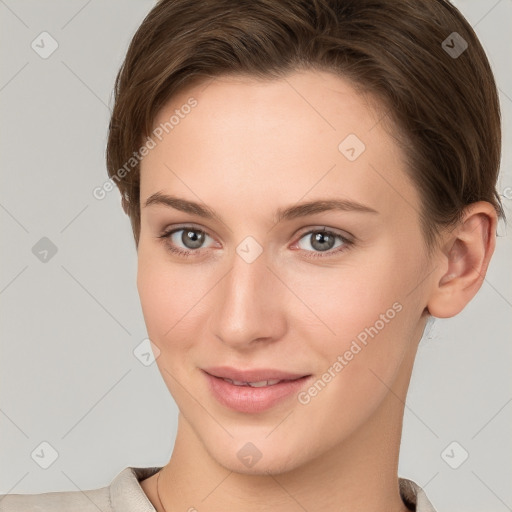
(126, 494)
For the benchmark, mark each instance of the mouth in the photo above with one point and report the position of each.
(259, 384)
(255, 375)
(253, 391)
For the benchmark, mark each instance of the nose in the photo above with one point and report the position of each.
(249, 305)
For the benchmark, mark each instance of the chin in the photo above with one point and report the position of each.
(258, 459)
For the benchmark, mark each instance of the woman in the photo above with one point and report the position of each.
(308, 182)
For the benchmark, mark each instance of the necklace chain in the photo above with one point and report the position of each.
(157, 493)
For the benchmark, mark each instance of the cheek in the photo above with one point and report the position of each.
(173, 299)
(162, 291)
(342, 301)
(170, 299)
(360, 355)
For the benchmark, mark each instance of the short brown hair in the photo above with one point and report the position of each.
(443, 104)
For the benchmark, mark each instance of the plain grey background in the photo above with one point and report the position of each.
(70, 324)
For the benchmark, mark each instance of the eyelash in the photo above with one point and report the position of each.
(165, 237)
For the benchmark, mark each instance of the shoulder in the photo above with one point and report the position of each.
(68, 501)
(414, 496)
(124, 494)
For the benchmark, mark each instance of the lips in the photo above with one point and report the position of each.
(253, 376)
(250, 395)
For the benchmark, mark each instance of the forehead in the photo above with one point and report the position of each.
(249, 142)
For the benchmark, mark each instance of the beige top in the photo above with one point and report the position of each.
(125, 494)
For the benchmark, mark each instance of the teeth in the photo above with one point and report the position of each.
(260, 384)
(263, 383)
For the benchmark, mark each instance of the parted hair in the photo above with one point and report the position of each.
(420, 60)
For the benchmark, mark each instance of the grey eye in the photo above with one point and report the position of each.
(190, 238)
(321, 240)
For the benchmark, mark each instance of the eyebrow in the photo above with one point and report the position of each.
(289, 213)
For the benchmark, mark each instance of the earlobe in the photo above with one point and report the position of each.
(462, 267)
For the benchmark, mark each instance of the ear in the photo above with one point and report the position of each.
(466, 254)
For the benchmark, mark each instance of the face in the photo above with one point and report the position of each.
(252, 279)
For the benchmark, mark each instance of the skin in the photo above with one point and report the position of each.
(248, 148)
